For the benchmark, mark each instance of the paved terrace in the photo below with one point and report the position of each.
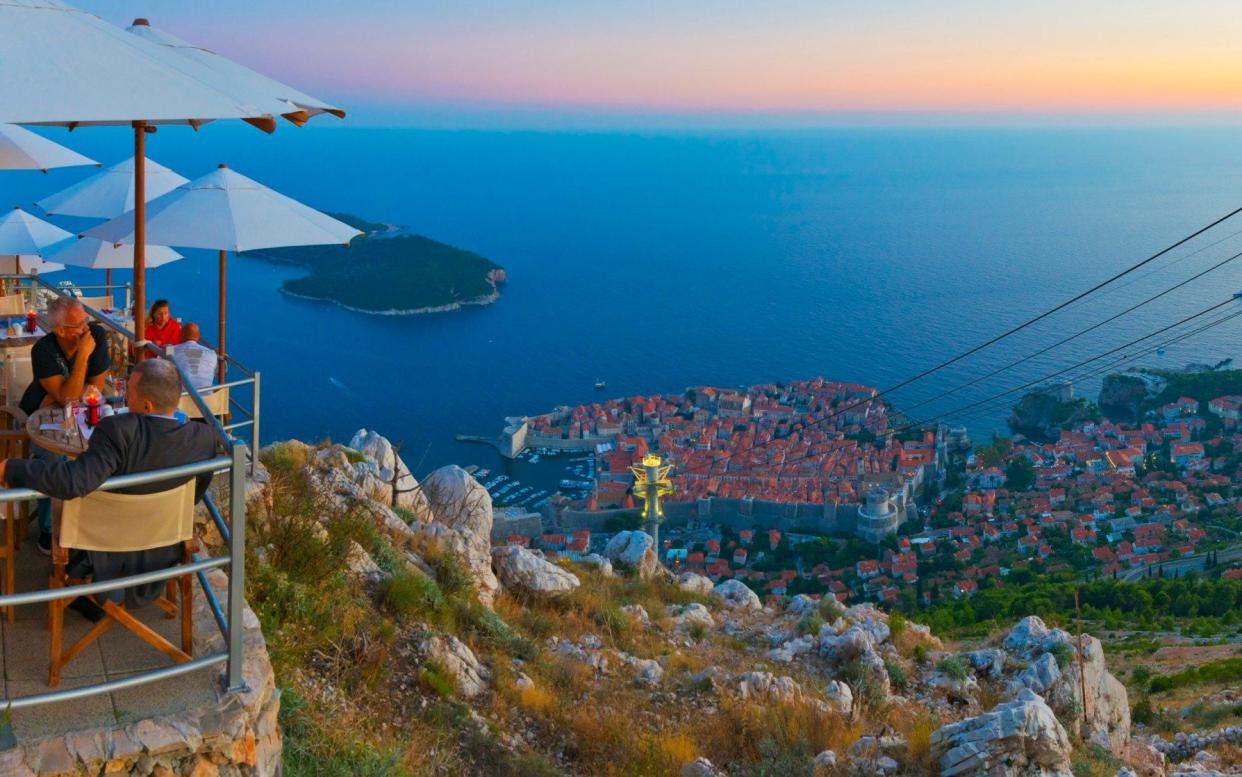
(161, 723)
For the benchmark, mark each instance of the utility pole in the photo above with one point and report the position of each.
(1082, 675)
(650, 483)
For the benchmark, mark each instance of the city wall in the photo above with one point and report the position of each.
(735, 513)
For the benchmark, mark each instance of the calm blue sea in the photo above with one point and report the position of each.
(657, 261)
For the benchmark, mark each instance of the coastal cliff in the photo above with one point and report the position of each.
(388, 272)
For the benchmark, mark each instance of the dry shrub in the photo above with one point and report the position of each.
(536, 699)
(571, 677)
(916, 726)
(658, 754)
(737, 732)
(684, 663)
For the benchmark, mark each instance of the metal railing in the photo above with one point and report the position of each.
(237, 460)
(248, 407)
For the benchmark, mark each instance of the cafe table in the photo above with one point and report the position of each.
(47, 429)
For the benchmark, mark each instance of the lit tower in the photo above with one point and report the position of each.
(650, 483)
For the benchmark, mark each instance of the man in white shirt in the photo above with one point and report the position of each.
(199, 363)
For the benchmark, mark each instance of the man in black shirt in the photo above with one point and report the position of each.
(148, 437)
(64, 361)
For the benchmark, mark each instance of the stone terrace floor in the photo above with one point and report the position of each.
(117, 654)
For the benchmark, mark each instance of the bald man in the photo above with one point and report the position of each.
(197, 362)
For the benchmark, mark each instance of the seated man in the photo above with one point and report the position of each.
(64, 361)
(198, 363)
(147, 437)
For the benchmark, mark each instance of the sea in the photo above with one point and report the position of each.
(660, 260)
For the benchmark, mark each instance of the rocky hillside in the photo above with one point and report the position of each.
(404, 643)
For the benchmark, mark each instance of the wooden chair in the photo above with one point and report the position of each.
(14, 444)
(104, 521)
(217, 401)
(98, 303)
(13, 305)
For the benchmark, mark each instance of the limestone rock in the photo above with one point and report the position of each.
(735, 593)
(634, 550)
(826, 760)
(989, 663)
(362, 565)
(1040, 675)
(801, 606)
(1107, 703)
(1144, 758)
(840, 698)
(692, 613)
(637, 612)
(700, 767)
(765, 686)
(1021, 738)
(527, 572)
(474, 556)
(792, 649)
(696, 583)
(599, 562)
(383, 457)
(461, 504)
(459, 662)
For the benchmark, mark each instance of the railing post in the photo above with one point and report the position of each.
(237, 565)
(254, 427)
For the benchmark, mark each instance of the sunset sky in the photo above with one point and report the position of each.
(486, 62)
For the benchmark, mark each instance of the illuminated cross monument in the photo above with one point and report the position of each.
(650, 483)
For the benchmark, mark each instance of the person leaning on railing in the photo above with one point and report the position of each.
(148, 437)
(65, 361)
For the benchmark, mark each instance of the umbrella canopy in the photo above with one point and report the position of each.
(256, 88)
(227, 211)
(110, 192)
(68, 67)
(22, 234)
(24, 239)
(30, 265)
(21, 149)
(98, 255)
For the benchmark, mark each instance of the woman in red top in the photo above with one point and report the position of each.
(162, 329)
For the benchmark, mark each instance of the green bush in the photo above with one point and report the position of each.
(410, 594)
(1141, 675)
(1142, 711)
(434, 679)
(896, 624)
(811, 624)
(1062, 652)
(896, 675)
(952, 666)
(919, 653)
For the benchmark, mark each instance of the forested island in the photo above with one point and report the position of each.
(388, 272)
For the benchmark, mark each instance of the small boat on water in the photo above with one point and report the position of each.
(600, 385)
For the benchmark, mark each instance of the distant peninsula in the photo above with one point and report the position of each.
(390, 272)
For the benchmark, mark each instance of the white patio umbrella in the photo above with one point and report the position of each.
(110, 192)
(65, 67)
(100, 255)
(21, 149)
(226, 211)
(25, 239)
(211, 68)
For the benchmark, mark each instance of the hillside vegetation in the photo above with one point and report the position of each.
(398, 652)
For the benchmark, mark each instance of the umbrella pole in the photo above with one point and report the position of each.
(221, 366)
(108, 284)
(140, 237)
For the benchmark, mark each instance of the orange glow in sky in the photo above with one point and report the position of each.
(953, 56)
